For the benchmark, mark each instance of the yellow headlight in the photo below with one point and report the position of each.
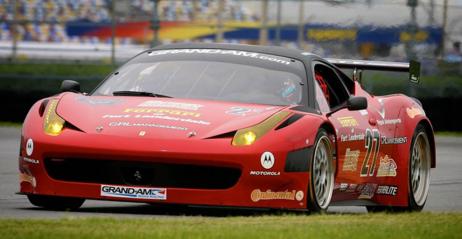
(245, 138)
(249, 135)
(52, 123)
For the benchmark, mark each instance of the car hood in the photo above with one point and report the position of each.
(166, 118)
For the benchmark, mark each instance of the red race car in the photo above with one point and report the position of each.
(230, 125)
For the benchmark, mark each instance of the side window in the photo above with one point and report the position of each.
(321, 98)
(332, 87)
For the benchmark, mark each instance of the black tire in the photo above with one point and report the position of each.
(418, 199)
(319, 196)
(56, 203)
(415, 204)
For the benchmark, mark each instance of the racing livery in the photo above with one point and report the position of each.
(229, 125)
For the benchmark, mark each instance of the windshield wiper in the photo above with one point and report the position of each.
(138, 93)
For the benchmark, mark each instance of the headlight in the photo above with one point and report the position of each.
(249, 135)
(52, 123)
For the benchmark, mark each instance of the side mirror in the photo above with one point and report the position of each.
(70, 85)
(357, 103)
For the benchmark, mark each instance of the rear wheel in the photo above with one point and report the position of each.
(419, 170)
(418, 174)
(55, 203)
(322, 174)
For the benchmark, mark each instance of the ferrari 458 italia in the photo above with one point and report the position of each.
(230, 125)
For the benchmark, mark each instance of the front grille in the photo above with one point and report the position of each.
(142, 173)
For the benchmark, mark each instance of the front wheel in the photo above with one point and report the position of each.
(322, 174)
(55, 203)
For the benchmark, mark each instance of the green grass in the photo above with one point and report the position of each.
(413, 225)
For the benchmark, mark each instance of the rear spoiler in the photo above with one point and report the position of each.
(413, 67)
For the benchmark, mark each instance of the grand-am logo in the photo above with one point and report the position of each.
(134, 192)
(222, 52)
(166, 104)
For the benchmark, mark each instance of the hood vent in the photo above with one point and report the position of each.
(292, 119)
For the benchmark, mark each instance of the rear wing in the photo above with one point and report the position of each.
(413, 67)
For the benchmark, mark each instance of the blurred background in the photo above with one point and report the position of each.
(43, 42)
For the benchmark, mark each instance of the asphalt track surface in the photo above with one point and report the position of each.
(445, 190)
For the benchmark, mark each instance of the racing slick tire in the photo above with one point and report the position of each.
(56, 203)
(322, 174)
(418, 174)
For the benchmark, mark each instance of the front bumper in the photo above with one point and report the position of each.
(268, 188)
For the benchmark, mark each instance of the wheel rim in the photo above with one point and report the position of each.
(420, 169)
(323, 178)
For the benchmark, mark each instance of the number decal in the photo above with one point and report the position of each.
(372, 145)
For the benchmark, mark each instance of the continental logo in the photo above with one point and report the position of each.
(347, 121)
(258, 195)
(163, 111)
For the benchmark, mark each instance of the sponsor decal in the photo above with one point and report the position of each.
(399, 140)
(351, 160)
(158, 116)
(162, 111)
(347, 121)
(388, 122)
(264, 173)
(116, 116)
(128, 124)
(387, 167)
(343, 187)
(258, 195)
(134, 192)
(267, 160)
(142, 133)
(29, 147)
(387, 190)
(166, 104)
(29, 160)
(346, 187)
(412, 112)
(351, 188)
(299, 196)
(223, 52)
(97, 101)
(367, 191)
(242, 111)
(351, 137)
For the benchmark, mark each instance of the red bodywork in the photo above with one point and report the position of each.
(98, 128)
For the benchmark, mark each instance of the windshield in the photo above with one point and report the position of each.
(252, 78)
